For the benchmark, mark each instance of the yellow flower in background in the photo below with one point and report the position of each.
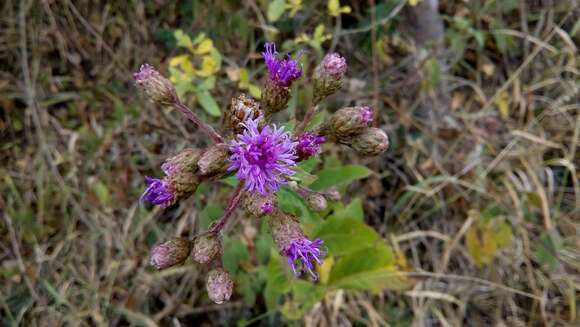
(194, 71)
(335, 10)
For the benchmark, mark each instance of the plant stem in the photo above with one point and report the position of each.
(232, 205)
(307, 118)
(200, 123)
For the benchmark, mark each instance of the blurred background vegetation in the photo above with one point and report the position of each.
(476, 204)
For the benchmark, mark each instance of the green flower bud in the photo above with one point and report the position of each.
(328, 76)
(371, 142)
(346, 123)
(275, 97)
(316, 201)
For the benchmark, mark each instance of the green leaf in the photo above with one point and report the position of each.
(344, 236)
(302, 176)
(309, 164)
(234, 252)
(276, 282)
(264, 243)
(183, 40)
(339, 176)
(275, 10)
(370, 269)
(353, 210)
(292, 203)
(102, 192)
(305, 295)
(546, 250)
(208, 103)
(210, 214)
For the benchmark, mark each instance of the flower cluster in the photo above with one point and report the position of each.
(262, 157)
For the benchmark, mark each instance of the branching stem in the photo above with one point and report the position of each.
(200, 123)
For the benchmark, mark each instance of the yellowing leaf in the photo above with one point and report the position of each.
(209, 66)
(255, 91)
(502, 103)
(334, 8)
(204, 47)
(294, 6)
(244, 78)
(484, 238)
(178, 60)
(413, 3)
(324, 269)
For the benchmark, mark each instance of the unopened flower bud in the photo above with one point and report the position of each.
(332, 194)
(371, 142)
(316, 201)
(328, 76)
(206, 247)
(275, 97)
(259, 205)
(158, 88)
(219, 285)
(214, 161)
(170, 253)
(186, 160)
(348, 122)
(241, 108)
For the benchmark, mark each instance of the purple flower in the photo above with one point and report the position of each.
(262, 158)
(309, 144)
(267, 208)
(157, 192)
(366, 115)
(282, 71)
(302, 254)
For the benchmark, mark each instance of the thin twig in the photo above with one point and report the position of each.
(200, 123)
(307, 118)
(232, 205)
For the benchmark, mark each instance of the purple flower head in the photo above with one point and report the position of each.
(366, 115)
(302, 254)
(262, 158)
(309, 144)
(145, 73)
(267, 207)
(157, 192)
(334, 64)
(282, 71)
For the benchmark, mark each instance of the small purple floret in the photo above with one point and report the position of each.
(309, 144)
(302, 254)
(282, 71)
(262, 158)
(267, 208)
(334, 65)
(366, 115)
(145, 72)
(157, 192)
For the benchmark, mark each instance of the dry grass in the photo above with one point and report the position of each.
(72, 127)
